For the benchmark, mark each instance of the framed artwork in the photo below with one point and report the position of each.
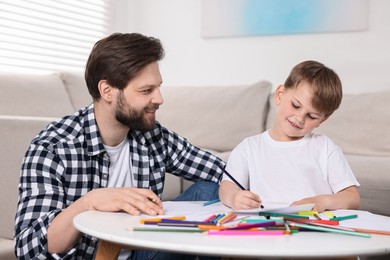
(226, 18)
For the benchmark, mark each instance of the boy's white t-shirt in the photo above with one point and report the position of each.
(120, 165)
(284, 172)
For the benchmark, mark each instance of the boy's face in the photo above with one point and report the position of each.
(295, 116)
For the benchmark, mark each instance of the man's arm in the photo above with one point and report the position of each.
(190, 162)
(61, 233)
(44, 218)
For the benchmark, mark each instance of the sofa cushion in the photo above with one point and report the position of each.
(360, 126)
(7, 249)
(217, 117)
(373, 173)
(16, 134)
(34, 95)
(77, 89)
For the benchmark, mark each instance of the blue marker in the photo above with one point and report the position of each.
(210, 202)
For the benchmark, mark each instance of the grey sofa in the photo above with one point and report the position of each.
(214, 118)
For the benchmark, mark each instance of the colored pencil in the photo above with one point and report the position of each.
(288, 230)
(317, 221)
(271, 214)
(329, 214)
(245, 233)
(371, 231)
(344, 217)
(227, 218)
(142, 221)
(210, 202)
(184, 230)
(307, 213)
(209, 218)
(253, 225)
(328, 229)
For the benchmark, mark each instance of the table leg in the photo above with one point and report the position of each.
(108, 250)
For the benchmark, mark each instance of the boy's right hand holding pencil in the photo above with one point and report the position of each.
(238, 199)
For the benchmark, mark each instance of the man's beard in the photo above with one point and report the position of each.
(133, 119)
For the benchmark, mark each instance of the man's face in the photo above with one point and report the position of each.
(137, 104)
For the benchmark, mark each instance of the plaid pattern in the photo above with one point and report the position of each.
(67, 159)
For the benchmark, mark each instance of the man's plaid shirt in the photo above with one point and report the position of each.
(67, 159)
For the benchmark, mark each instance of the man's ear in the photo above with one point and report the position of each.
(278, 94)
(105, 90)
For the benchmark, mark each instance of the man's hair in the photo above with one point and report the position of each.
(325, 83)
(118, 58)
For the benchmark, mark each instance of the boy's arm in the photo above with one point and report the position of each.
(232, 196)
(347, 198)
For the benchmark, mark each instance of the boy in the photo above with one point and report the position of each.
(288, 163)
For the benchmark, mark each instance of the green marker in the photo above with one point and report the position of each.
(344, 217)
(269, 214)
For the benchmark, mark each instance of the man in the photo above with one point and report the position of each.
(109, 156)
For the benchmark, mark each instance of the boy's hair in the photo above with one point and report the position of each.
(118, 58)
(325, 83)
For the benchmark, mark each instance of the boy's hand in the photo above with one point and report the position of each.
(321, 202)
(244, 199)
(348, 198)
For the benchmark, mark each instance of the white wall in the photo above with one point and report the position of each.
(362, 59)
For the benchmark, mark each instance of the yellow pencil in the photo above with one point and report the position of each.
(142, 221)
(329, 214)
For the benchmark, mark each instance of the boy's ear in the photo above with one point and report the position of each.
(325, 118)
(105, 90)
(278, 94)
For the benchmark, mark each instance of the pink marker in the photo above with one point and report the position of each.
(245, 233)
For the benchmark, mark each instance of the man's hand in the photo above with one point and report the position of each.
(131, 200)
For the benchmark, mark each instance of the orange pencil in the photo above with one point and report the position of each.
(142, 221)
(229, 217)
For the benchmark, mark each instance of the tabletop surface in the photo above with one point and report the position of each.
(116, 227)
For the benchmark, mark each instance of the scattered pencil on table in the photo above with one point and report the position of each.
(281, 224)
(211, 202)
(307, 213)
(317, 216)
(287, 227)
(329, 229)
(187, 230)
(208, 219)
(329, 214)
(245, 233)
(227, 218)
(344, 217)
(272, 214)
(142, 221)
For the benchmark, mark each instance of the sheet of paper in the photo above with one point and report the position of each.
(279, 208)
(365, 220)
(193, 210)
